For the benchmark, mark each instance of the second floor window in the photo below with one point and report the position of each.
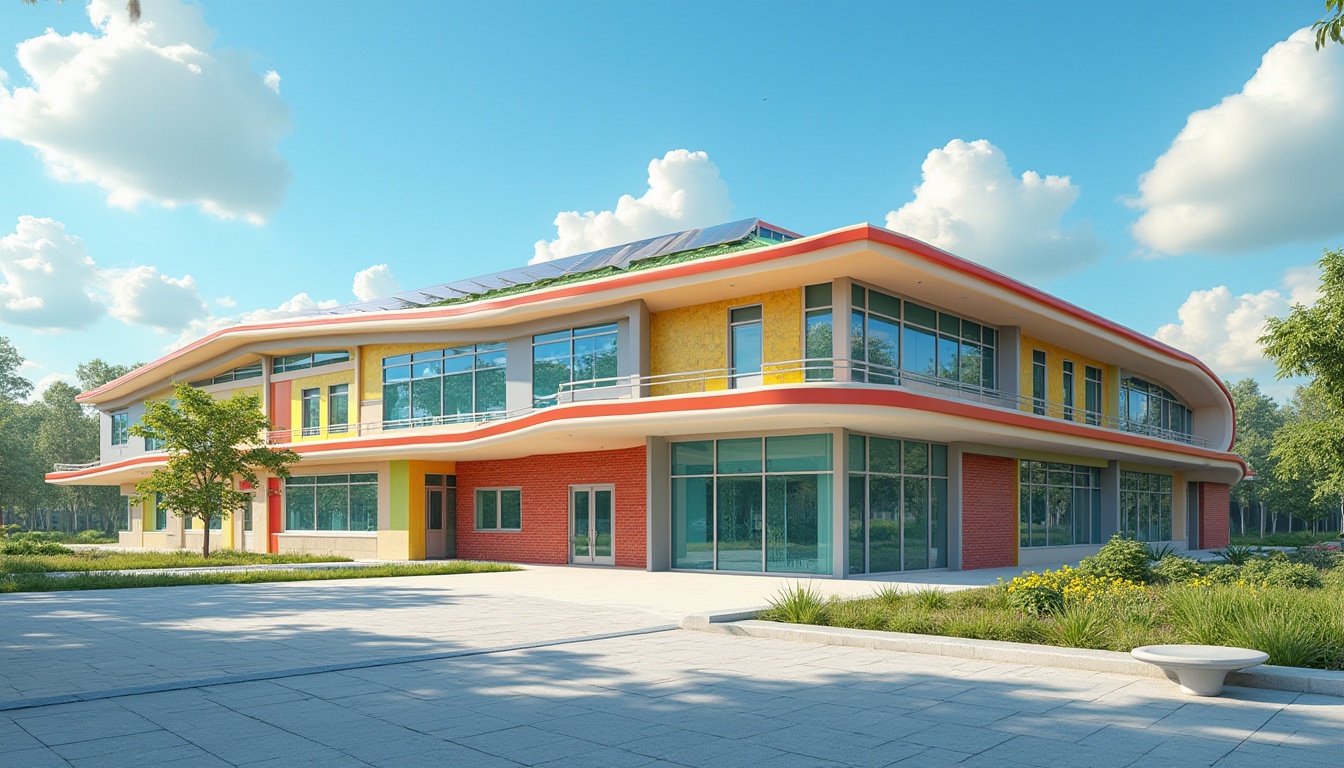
(287, 363)
(1068, 390)
(1149, 408)
(121, 428)
(887, 333)
(585, 357)
(1092, 394)
(311, 410)
(338, 408)
(444, 385)
(1038, 382)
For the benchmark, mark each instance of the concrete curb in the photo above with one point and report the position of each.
(700, 621)
(1317, 681)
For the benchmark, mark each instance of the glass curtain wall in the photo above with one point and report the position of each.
(888, 335)
(897, 505)
(1145, 506)
(1058, 504)
(586, 356)
(753, 504)
(332, 502)
(1149, 408)
(440, 386)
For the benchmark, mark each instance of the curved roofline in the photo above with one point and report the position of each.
(856, 233)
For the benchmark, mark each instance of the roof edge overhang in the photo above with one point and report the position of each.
(158, 373)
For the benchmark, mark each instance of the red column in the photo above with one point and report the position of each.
(1215, 521)
(272, 514)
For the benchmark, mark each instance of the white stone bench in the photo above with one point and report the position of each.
(1201, 669)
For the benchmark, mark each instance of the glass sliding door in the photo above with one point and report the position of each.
(591, 510)
(897, 505)
(740, 545)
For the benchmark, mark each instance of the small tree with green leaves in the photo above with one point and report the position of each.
(212, 445)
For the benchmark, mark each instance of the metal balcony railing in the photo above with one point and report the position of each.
(803, 372)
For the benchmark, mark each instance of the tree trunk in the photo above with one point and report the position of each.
(205, 539)
(1241, 509)
(1262, 519)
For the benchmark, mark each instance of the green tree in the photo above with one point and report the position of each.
(1308, 446)
(67, 433)
(1258, 418)
(96, 373)
(12, 386)
(1332, 26)
(212, 445)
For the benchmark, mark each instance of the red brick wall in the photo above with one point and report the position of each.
(545, 482)
(1214, 515)
(988, 511)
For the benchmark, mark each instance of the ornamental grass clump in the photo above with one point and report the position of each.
(797, 604)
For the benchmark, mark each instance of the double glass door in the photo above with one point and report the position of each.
(591, 512)
(440, 522)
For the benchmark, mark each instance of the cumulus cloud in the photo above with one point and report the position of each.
(1223, 330)
(47, 278)
(375, 282)
(298, 305)
(149, 111)
(41, 386)
(969, 203)
(1260, 168)
(685, 192)
(48, 281)
(144, 296)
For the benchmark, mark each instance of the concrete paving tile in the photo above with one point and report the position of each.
(1050, 753)
(962, 738)
(933, 757)
(32, 758)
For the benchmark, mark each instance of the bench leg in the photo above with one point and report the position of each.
(1201, 682)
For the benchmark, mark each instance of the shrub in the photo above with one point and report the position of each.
(1223, 574)
(798, 604)
(30, 547)
(1035, 593)
(1324, 557)
(1119, 558)
(1177, 570)
(1047, 592)
(1293, 575)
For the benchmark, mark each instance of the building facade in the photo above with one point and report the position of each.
(737, 398)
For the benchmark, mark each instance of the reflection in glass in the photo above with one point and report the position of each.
(739, 523)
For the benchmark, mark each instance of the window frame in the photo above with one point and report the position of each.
(498, 493)
(1092, 402)
(310, 396)
(1039, 372)
(338, 393)
(121, 427)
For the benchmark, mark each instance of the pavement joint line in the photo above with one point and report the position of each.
(280, 674)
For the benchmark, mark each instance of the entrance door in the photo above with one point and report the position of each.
(440, 523)
(591, 539)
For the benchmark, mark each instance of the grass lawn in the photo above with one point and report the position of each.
(1290, 606)
(38, 582)
(110, 560)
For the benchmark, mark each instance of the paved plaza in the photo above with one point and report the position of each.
(569, 666)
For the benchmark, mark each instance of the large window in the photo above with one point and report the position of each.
(747, 342)
(585, 356)
(499, 509)
(438, 386)
(1145, 506)
(817, 323)
(332, 502)
(160, 513)
(753, 504)
(897, 505)
(1058, 504)
(121, 427)
(1148, 408)
(1067, 382)
(888, 335)
(288, 363)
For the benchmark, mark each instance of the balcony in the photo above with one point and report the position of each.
(813, 371)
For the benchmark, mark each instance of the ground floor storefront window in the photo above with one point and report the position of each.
(753, 504)
(1059, 505)
(332, 502)
(1145, 506)
(897, 505)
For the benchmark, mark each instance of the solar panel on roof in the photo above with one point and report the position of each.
(618, 256)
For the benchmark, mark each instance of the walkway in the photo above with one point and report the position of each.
(653, 698)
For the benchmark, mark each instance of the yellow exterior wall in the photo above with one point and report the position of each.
(1054, 379)
(409, 544)
(322, 381)
(371, 365)
(696, 339)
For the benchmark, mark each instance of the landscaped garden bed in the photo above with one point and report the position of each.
(1287, 604)
(24, 555)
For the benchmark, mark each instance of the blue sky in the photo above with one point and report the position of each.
(443, 140)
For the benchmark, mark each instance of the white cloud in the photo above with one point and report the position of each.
(1223, 330)
(970, 204)
(149, 111)
(47, 279)
(143, 296)
(685, 192)
(226, 302)
(49, 282)
(41, 385)
(376, 282)
(1260, 168)
(296, 306)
